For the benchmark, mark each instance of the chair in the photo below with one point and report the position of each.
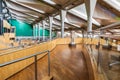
(115, 60)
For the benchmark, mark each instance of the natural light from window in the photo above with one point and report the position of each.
(50, 2)
(114, 3)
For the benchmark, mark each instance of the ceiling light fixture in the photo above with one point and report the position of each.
(50, 2)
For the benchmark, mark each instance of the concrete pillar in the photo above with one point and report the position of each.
(34, 31)
(43, 23)
(1, 18)
(39, 30)
(62, 16)
(90, 6)
(50, 24)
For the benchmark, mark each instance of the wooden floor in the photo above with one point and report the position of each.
(66, 64)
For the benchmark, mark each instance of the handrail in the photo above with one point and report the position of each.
(9, 48)
(21, 45)
(35, 61)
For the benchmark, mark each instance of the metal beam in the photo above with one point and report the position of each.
(6, 8)
(28, 7)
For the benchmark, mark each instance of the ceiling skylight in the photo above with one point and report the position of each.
(18, 2)
(114, 3)
(50, 2)
(82, 15)
(80, 11)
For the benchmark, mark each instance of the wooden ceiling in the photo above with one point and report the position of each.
(34, 11)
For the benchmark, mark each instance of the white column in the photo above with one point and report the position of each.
(50, 24)
(43, 23)
(34, 31)
(39, 30)
(62, 16)
(90, 6)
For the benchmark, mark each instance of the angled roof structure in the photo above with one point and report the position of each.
(33, 11)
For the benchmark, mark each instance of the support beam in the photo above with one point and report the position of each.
(39, 30)
(27, 7)
(34, 31)
(1, 18)
(114, 25)
(68, 23)
(43, 23)
(75, 29)
(90, 6)
(30, 15)
(25, 17)
(22, 19)
(50, 24)
(109, 31)
(57, 7)
(62, 16)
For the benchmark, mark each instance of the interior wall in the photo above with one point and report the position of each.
(22, 28)
(25, 29)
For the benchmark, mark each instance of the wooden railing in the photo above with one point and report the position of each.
(11, 69)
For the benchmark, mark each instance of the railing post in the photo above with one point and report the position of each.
(48, 63)
(35, 58)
